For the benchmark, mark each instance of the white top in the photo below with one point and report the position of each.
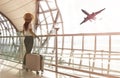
(27, 32)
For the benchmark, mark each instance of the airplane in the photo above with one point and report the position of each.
(90, 16)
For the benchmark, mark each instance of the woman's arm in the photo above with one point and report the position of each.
(33, 34)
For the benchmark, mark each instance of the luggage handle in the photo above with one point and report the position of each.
(36, 51)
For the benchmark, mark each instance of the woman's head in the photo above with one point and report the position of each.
(28, 17)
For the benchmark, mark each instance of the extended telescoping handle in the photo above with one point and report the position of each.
(36, 51)
(38, 38)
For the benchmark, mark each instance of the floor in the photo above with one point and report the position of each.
(14, 70)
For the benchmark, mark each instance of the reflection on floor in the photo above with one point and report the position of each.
(14, 70)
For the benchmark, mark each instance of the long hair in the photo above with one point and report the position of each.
(26, 24)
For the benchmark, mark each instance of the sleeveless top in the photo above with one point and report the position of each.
(27, 32)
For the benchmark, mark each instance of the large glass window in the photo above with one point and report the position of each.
(9, 42)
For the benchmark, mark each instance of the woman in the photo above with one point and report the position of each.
(29, 34)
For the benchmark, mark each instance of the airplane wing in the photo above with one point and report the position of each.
(99, 11)
(85, 20)
(85, 12)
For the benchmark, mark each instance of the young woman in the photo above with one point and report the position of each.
(29, 34)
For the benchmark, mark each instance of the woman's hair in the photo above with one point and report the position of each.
(26, 24)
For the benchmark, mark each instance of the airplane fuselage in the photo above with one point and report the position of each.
(91, 16)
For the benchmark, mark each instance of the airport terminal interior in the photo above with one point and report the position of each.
(77, 38)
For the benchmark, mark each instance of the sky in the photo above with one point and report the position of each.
(107, 21)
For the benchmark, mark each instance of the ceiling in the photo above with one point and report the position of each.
(14, 10)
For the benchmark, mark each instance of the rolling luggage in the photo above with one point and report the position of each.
(34, 62)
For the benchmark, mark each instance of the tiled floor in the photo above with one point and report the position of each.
(14, 70)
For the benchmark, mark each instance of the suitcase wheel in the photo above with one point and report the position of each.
(37, 72)
(26, 69)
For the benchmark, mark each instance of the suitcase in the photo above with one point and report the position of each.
(34, 62)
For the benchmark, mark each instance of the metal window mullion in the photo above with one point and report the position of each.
(95, 44)
(81, 58)
(109, 57)
(44, 17)
(71, 53)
